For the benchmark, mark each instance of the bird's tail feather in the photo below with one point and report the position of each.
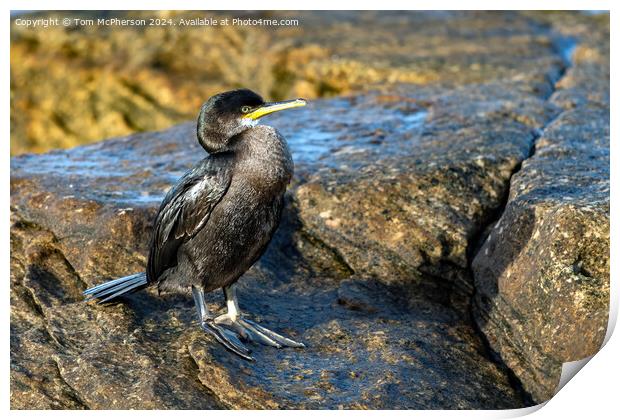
(113, 288)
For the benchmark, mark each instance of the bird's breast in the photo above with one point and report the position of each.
(246, 218)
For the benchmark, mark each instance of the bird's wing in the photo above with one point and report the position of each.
(185, 210)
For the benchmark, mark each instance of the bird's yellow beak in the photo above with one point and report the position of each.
(271, 107)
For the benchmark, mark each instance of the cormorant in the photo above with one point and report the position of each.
(220, 216)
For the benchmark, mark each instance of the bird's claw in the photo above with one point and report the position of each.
(228, 339)
(251, 331)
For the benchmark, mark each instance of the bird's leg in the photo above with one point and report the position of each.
(249, 330)
(226, 338)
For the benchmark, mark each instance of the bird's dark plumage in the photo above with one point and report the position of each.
(220, 216)
(186, 209)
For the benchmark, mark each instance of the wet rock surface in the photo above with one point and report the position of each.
(381, 335)
(542, 277)
(371, 266)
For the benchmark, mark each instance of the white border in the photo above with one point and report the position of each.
(593, 394)
(310, 5)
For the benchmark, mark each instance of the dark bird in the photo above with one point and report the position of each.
(220, 216)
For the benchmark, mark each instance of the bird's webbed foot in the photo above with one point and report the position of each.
(223, 336)
(227, 338)
(251, 331)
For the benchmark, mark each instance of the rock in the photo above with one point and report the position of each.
(362, 295)
(371, 266)
(373, 342)
(408, 214)
(542, 276)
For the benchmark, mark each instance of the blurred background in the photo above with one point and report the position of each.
(75, 85)
(71, 86)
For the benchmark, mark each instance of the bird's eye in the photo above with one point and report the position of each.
(246, 109)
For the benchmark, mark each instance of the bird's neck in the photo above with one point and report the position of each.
(262, 156)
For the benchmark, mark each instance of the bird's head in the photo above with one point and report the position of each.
(228, 114)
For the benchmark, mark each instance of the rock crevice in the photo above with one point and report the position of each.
(533, 307)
